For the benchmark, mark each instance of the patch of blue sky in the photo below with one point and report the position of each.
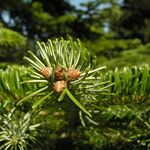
(77, 2)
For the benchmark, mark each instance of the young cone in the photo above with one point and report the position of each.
(46, 72)
(59, 73)
(73, 74)
(59, 86)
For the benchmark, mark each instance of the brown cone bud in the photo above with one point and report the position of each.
(59, 86)
(73, 74)
(59, 73)
(46, 72)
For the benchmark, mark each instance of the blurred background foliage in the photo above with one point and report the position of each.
(117, 32)
(110, 29)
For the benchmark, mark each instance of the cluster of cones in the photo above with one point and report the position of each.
(62, 76)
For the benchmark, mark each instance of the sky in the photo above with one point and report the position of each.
(77, 2)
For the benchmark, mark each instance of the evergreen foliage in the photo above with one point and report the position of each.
(127, 58)
(10, 87)
(134, 20)
(130, 83)
(111, 48)
(16, 131)
(64, 67)
(121, 121)
(11, 42)
(62, 101)
(39, 19)
(10, 38)
(122, 118)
